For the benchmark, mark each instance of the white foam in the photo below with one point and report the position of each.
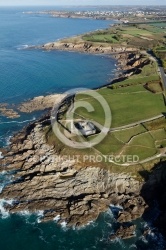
(57, 218)
(18, 121)
(23, 46)
(40, 214)
(133, 246)
(117, 206)
(3, 172)
(8, 140)
(91, 222)
(25, 213)
(144, 239)
(1, 188)
(118, 241)
(63, 224)
(4, 213)
(38, 220)
(1, 156)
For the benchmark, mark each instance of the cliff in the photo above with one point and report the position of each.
(154, 193)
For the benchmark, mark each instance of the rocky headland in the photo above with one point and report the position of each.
(62, 188)
(78, 45)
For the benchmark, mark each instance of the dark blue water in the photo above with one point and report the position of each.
(28, 73)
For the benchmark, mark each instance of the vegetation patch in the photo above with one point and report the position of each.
(159, 134)
(140, 151)
(125, 135)
(154, 87)
(110, 145)
(156, 124)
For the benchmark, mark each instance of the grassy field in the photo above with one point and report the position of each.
(159, 134)
(142, 152)
(139, 80)
(129, 100)
(134, 31)
(126, 105)
(138, 35)
(110, 145)
(133, 141)
(108, 38)
(142, 145)
(126, 134)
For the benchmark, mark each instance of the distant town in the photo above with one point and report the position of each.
(124, 14)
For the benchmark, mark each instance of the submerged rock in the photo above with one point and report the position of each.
(124, 232)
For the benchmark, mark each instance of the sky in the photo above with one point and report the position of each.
(81, 2)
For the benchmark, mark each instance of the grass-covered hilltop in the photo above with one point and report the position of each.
(136, 96)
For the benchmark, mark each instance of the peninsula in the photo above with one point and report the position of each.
(75, 192)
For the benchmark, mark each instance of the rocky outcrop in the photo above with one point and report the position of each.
(8, 112)
(40, 103)
(35, 104)
(124, 232)
(87, 47)
(45, 181)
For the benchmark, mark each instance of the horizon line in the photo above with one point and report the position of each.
(83, 5)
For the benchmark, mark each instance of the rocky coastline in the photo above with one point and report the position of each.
(87, 47)
(72, 194)
(61, 188)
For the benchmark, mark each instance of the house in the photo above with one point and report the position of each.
(86, 128)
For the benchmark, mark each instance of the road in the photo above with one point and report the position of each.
(163, 77)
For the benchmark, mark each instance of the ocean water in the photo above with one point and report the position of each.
(28, 73)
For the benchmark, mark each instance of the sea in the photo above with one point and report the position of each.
(26, 73)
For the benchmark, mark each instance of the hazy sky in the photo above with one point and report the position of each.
(82, 2)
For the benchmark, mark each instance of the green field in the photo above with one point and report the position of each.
(126, 106)
(126, 134)
(134, 141)
(110, 145)
(139, 80)
(136, 31)
(142, 152)
(138, 35)
(159, 135)
(108, 38)
(130, 101)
